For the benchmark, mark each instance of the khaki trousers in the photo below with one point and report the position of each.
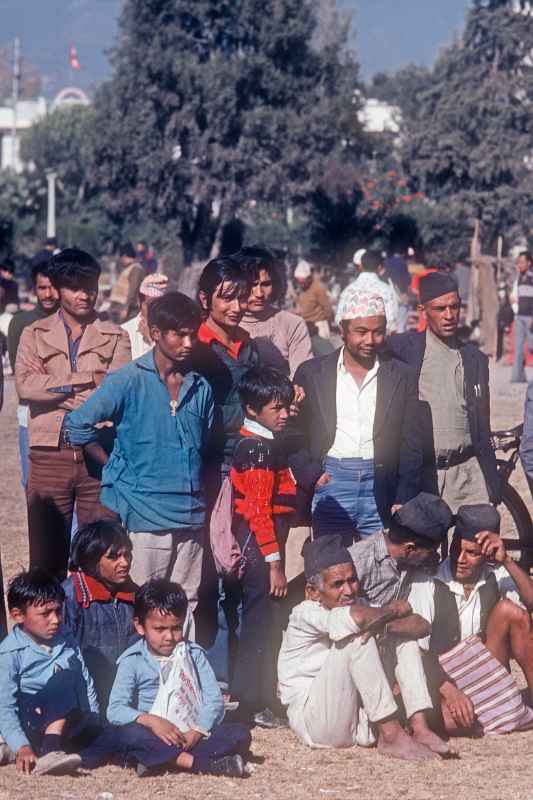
(352, 690)
(174, 554)
(463, 484)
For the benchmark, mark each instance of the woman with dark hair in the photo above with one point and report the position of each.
(282, 338)
(225, 353)
(99, 596)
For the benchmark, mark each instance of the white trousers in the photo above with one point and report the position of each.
(172, 554)
(351, 691)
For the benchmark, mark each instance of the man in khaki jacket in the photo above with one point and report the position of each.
(60, 361)
(313, 303)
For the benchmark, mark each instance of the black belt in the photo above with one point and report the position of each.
(454, 457)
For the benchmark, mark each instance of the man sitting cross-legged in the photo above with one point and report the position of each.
(479, 591)
(330, 672)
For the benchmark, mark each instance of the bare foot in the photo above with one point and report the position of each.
(431, 740)
(398, 744)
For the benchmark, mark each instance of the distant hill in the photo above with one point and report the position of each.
(47, 29)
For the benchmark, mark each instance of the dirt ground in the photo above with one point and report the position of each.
(499, 768)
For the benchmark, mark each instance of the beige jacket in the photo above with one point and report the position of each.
(103, 346)
(313, 304)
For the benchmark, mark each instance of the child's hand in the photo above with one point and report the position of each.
(162, 728)
(191, 739)
(25, 759)
(278, 581)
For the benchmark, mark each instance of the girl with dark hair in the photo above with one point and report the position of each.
(226, 351)
(282, 338)
(99, 596)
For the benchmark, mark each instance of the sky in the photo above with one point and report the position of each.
(387, 34)
(391, 33)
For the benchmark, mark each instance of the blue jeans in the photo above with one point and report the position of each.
(522, 334)
(24, 451)
(346, 504)
(135, 743)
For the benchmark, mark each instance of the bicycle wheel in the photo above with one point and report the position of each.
(516, 527)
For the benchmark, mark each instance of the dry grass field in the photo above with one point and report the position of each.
(489, 769)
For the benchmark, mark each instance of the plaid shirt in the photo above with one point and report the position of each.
(380, 579)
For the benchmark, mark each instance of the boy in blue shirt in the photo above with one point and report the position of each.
(46, 694)
(138, 734)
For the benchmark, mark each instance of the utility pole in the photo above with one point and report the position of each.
(51, 217)
(15, 98)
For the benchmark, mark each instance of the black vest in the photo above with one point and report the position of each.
(446, 628)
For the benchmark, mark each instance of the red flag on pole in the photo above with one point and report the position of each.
(74, 63)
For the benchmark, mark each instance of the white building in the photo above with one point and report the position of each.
(28, 112)
(376, 116)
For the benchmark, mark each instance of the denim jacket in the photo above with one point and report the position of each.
(102, 626)
(25, 668)
(137, 681)
(153, 478)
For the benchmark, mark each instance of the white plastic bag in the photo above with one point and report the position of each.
(179, 697)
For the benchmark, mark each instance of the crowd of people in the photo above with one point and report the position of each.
(170, 449)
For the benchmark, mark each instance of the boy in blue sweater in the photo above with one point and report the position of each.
(47, 698)
(138, 729)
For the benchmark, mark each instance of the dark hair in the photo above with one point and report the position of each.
(261, 385)
(223, 269)
(40, 266)
(399, 535)
(255, 258)
(371, 261)
(34, 588)
(127, 249)
(72, 268)
(51, 241)
(8, 264)
(158, 594)
(527, 254)
(173, 311)
(92, 541)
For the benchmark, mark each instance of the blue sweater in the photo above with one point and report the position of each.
(137, 682)
(153, 477)
(25, 668)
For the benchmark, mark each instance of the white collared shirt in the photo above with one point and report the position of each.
(356, 409)
(253, 426)
(422, 597)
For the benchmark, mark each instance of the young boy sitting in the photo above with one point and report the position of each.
(165, 707)
(46, 694)
(264, 495)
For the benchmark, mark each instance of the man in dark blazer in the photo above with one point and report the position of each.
(359, 423)
(453, 385)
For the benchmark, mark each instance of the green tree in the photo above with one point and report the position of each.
(216, 103)
(61, 142)
(469, 146)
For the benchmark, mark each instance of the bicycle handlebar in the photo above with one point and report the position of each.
(505, 440)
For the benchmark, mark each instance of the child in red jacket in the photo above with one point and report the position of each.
(264, 495)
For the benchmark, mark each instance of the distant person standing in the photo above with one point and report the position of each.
(47, 304)
(137, 327)
(398, 272)
(61, 360)
(146, 257)
(9, 288)
(312, 303)
(523, 302)
(125, 293)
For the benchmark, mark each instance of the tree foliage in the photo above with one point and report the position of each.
(216, 103)
(468, 148)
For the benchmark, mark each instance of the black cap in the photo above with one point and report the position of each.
(471, 520)
(436, 284)
(324, 552)
(426, 516)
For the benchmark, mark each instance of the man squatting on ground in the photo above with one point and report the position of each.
(331, 675)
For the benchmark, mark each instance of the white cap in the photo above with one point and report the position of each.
(358, 256)
(303, 269)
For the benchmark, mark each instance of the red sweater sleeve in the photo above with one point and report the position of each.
(256, 485)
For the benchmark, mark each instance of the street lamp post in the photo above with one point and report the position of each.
(51, 217)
